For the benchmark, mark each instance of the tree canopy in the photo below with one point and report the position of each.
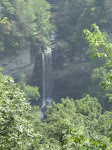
(76, 124)
(101, 47)
(15, 129)
(24, 23)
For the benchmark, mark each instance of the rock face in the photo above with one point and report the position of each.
(71, 74)
(19, 63)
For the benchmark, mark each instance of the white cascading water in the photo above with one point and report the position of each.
(47, 77)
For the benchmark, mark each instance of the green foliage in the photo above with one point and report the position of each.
(32, 92)
(97, 77)
(88, 106)
(37, 126)
(76, 125)
(101, 47)
(73, 16)
(15, 130)
(27, 24)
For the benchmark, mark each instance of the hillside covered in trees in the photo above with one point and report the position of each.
(24, 22)
(81, 28)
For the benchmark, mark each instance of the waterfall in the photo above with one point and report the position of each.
(47, 77)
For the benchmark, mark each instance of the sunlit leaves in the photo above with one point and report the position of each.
(75, 125)
(32, 92)
(101, 47)
(98, 42)
(15, 129)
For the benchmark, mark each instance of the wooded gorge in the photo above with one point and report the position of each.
(55, 75)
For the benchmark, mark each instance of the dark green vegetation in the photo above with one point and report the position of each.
(24, 23)
(83, 124)
(75, 15)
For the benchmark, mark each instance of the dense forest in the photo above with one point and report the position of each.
(70, 124)
(24, 22)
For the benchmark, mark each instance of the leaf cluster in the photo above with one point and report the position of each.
(15, 129)
(100, 46)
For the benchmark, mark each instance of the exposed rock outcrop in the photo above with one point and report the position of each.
(71, 75)
(71, 72)
(19, 63)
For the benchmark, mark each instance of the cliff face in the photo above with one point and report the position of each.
(19, 63)
(71, 73)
